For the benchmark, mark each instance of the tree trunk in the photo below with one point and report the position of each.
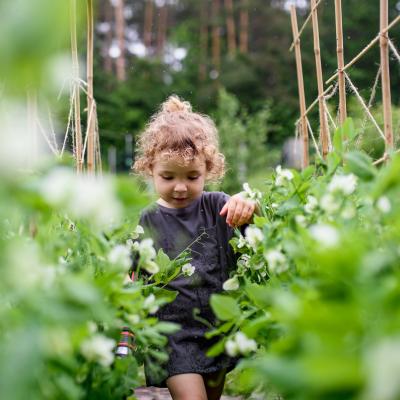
(148, 25)
(120, 31)
(244, 27)
(162, 29)
(230, 26)
(216, 36)
(203, 40)
(108, 18)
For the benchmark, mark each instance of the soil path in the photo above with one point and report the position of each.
(152, 393)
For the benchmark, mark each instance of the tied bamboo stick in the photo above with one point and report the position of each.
(203, 40)
(340, 59)
(386, 95)
(324, 132)
(90, 99)
(300, 81)
(76, 102)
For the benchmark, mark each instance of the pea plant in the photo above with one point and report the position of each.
(67, 244)
(312, 308)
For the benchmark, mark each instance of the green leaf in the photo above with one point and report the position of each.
(216, 349)
(258, 294)
(338, 140)
(360, 164)
(348, 130)
(333, 160)
(167, 327)
(388, 178)
(224, 307)
(162, 260)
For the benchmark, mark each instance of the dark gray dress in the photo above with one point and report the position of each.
(199, 226)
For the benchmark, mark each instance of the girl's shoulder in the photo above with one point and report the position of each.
(215, 198)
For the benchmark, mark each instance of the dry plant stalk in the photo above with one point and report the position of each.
(386, 95)
(340, 60)
(90, 100)
(324, 132)
(75, 92)
(300, 81)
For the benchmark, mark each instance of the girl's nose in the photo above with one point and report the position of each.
(180, 187)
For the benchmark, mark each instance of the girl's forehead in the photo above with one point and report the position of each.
(179, 163)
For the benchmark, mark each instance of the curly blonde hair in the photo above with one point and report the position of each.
(176, 131)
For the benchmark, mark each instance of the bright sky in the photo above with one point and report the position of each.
(297, 3)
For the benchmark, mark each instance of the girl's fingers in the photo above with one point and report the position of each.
(234, 213)
(246, 215)
(224, 209)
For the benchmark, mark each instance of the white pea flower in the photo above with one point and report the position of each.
(329, 203)
(133, 319)
(231, 348)
(133, 245)
(300, 220)
(345, 184)
(146, 249)
(245, 344)
(349, 212)
(82, 196)
(151, 267)
(149, 304)
(382, 366)
(243, 261)
(277, 262)
(282, 176)
(120, 255)
(311, 205)
(326, 235)
(251, 194)
(137, 232)
(231, 284)
(241, 242)
(99, 348)
(188, 269)
(254, 236)
(383, 204)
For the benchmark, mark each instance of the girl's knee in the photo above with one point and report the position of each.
(187, 387)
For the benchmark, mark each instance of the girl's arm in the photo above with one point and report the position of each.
(239, 210)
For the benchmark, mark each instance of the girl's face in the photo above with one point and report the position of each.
(178, 184)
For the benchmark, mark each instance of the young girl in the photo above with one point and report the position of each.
(179, 151)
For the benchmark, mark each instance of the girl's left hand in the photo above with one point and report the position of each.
(238, 210)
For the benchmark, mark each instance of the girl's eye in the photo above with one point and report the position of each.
(193, 178)
(167, 178)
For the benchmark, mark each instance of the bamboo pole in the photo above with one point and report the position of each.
(340, 59)
(90, 99)
(244, 27)
(216, 36)
(230, 26)
(304, 25)
(386, 95)
(76, 92)
(120, 31)
(365, 49)
(162, 29)
(300, 81)
(324, 131)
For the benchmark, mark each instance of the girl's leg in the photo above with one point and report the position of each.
(214, 384)
(187, 387)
